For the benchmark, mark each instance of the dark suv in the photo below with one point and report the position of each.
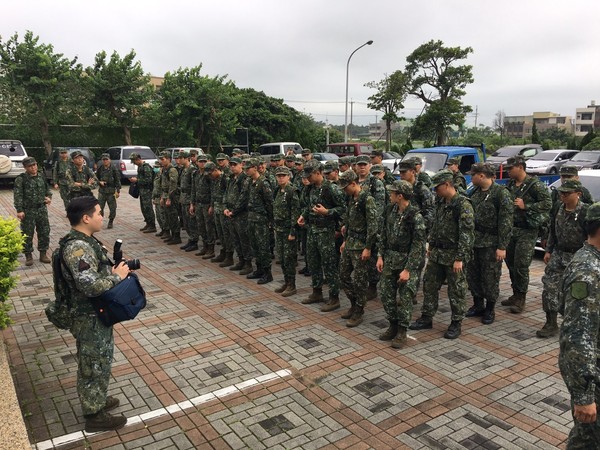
(88, 157)
(499, 157)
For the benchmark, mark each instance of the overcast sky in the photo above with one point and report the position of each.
(529, 55)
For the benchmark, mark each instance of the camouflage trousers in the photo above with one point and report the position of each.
(552, 277)
(585, 436)
(435, 274)
(95, 347)
(146, 206)
(354, 276)
(372, 267)
(321, 258)
(36, 220)
(172, 217)
(288, 253)
(108, 197)
(258, 227)
(206, 224)
(64, 194)
(401, 309)
(239, 232)
(189, 222)
(483, 274)
(222, 228)
(518, 257)
(160, 217)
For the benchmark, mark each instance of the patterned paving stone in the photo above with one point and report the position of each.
(378, 389)
(283, 420)
(168, 337)
(306, 346)
(160, 304)
(259, 315)
(223, 293)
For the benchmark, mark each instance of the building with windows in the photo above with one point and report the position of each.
(587, 119)
(522, 126)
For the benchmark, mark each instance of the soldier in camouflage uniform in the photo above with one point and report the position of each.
(532, 204)
(236, 211)
(361, 230)
(422, 176)
(218, 190)
(450, 248)
(570, 173)
(377, 158)
(345, 163)
(459, 179)
(31, 196)
(260, 217)
(59, 175)
(201, 201)
(325, 207)
(223, 163)
(80, 178)
(169, 199)
(567, 235)
(331, 170)
(185, 199)
(401, 249)
(156, 193)
(493, 226)
(378, 171)
(580, 336)
(109, 180)
(88, 272)
(145, 181)
(286, 210)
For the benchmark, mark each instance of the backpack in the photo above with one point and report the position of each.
(58, 312)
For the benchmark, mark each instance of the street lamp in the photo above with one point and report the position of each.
(348, 67)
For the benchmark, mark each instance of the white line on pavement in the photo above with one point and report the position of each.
(186, 404)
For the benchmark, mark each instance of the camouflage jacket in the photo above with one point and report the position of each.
(111, 177)
(567, 232)
(536, 197)
(236, 198)
(586, 197)
(201, 190)
(89, 271)
(403, 237)
(185, 184)
(424, 178)
(423, 198)
(218, 190)
(579, 300)
(30, 192)
(286, 209)
(145, 178)
(157, 189)
(460, 182)
(260, 199)
(388, 178)
(84, 176)
(374, 186)
(331, 197)
(451, 236)
(59, 172)
(168, 183)
(362, 222)
(493, 216)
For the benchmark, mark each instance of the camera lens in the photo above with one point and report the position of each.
(134, 264)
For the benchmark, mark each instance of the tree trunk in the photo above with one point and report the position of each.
(388, 135)
(127, 134)
(441, 136)
(46, 136)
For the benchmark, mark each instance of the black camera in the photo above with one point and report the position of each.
(133, 264)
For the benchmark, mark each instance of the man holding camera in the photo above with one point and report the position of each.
(88, 273)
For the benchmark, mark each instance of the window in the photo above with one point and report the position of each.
(12, 149)
(529, 152)
(115, 153)
(586, 116)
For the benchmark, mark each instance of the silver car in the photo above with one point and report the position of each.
(549, 161)
(119, 157)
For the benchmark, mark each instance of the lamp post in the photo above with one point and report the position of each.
(347, 68)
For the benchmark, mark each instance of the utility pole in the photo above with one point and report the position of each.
(351, 114)
(476, 114)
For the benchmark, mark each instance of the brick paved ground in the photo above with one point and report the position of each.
(207, 329)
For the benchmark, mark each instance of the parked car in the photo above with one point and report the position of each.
(12, 154)
(434, 158)
(175, 150)
(324, 157)
(119, 157)
(350, 148)
(589, 159)
(89, 159)
(391, 160)
(549, 161)
(499, 157)
(274, 148)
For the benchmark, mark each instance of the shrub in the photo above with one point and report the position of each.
(11, 244)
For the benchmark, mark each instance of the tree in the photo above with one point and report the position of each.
(440, 84)
(594, 144)
(45, 82)
(589, 137)
(499, 122)
(119, 88)
(535, 137)
(389, 99)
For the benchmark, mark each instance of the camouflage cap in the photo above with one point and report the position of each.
(237, 151)
(452, 161)
(105, 156)
(407, 164)
(514, 161)
(593, 213)
(290, 157)
(202, 158)
(282, 170)
(165, 155)
(245, 156)
(255, 154)
(183, 154)
(194, 152)
(306, 151)
(276, 157)
(443, 176)
(570, 186)
(401, 187)
(330, 166)
(363, 159)
(569, 170)
(75, 154)
(29, 161)
(157, 163)
(235, 160)
(485, 168)
(63, 150)
(210, 166)
(346, 178)
(134, 156)
(353, 160)
(377, 168)
(417, 160)
(222, 156)
(377, 152)
(345, 160)
(312, 166)
(251, 162)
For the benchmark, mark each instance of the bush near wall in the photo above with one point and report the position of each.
(11, 244)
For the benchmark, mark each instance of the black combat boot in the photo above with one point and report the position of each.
(291, 288)
(238, 266)
(550, 328)
(186, 245)
(315, 297)
(193, 247)
(350, 311)
(519, 304)
(247, 269)
(150, 229)
(477, 309)
(255, 275)
(110, 224)
(103, 421)
(144, 228)
(332, 304)
(453, 330)
(391, 332)
(175, 239)
(357, 317)
(166, 235)
(267, 277)
(488, 315)
(161, 233)
(422, 323)
(400, 338)
(282, 288)
(111, 403)
(219, 258)
(228, 261)
(210, 252)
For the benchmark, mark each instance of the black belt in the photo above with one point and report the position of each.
(443, 245)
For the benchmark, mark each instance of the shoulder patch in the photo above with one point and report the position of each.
(579, 290)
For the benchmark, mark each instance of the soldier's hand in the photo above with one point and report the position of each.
(342, 247)
(168, 203)
(404, 276)
(77, 183)
(500, 255)
(133, 180)
(457, 267)
(585, 413)
(519, 203)
(122, 269)
(20, 215)
(162, 202)
(211, 210)
(102, 183)
(291, 238)
(379, 264)
(301, 221)
(191, 210)
(47, 200)
(366, 254)
(320, 209)
(117, 194)
(547, 257)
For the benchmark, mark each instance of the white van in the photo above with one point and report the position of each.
(283, 148)
(12, 154)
